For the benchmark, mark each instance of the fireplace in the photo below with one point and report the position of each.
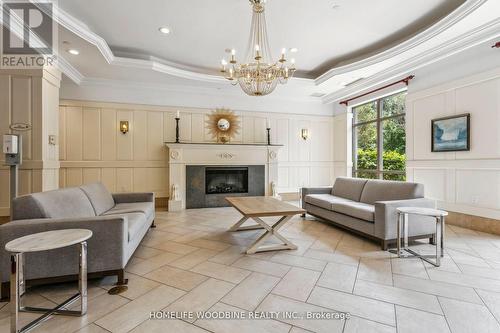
(208, 186)
(226, 180)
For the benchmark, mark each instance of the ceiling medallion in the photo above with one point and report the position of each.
(258, 75)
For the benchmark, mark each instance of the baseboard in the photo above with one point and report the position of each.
(161, 203)
(4, 219)
(477, 223)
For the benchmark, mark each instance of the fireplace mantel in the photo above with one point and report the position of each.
(182, 154)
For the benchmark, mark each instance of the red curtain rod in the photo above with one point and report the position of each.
(497, 45)
(406, 80)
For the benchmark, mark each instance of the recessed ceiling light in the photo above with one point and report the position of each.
(294, 50)
(164, 30)
(335, 6)
(73, 51)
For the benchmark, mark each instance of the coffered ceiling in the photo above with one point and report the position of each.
(343, 45)
(326, 33)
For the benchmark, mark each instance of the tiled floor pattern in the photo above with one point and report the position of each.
(191, 263)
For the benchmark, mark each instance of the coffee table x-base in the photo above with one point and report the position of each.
(257, 207)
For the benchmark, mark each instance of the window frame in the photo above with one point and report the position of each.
(379, 172)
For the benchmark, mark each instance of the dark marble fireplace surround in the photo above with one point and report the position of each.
(208, 185)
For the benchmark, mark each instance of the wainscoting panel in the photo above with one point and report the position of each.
(92, 147)
(434, 180)
(464, 182)
(478, 187)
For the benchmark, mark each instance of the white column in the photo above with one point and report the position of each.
(31, 97)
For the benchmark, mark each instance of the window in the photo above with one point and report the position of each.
(379, 139)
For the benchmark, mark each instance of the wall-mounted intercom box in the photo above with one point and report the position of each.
(10, 144)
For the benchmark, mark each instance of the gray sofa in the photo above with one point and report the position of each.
(368, 207)
(118, 223)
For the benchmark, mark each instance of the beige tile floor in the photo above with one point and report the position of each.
(190, 263)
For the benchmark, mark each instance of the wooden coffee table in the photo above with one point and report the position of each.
(256, 207)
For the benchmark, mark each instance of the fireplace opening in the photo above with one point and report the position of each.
(226, 180)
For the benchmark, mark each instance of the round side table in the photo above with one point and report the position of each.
(438, 215)
(45, 241)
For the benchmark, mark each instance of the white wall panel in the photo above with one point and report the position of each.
(74, 133)
(481, 100)
(478, 187)
(139, 132)
(155, 143)
(423, 111)
(109, 126)
(434, 180)
(137, 161)
(91, 134)
(466, 182)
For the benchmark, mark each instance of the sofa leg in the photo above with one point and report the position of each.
(153, 225)
(432, 240)
(121, 285)
(5, 292)
(384, 244)
(303, 216)
(121, 278)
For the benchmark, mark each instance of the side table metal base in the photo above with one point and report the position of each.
(424, 257)
(403, 251)
(17, 286)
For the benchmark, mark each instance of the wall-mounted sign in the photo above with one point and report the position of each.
(20, 127)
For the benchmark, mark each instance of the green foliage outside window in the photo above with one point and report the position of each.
(393, 160)
(393, 136)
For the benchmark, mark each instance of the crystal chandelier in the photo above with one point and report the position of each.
(258, 75)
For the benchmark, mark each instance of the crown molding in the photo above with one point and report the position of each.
(457, 15)
(71, 72)
(458, 44)
(192, 73)
(187, 89)
(81, 30)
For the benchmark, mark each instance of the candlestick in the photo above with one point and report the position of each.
(268, 136)
(177, 128)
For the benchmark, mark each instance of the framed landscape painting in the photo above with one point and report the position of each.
(451, 133)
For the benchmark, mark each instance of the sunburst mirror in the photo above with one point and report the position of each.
(223, 125)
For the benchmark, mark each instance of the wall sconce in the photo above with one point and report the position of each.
(124, 126)
(304, 133)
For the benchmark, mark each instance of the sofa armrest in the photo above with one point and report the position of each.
(314, 190)
(386, 218)
(133, 197)
(106, 247)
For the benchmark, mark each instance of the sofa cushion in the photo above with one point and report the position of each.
(26, 207)
(147, 208)
(323, 200)
(349, 188)
(386, 190)
(64, 203)
(359, 210)
(136, 221)
(99, 197)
